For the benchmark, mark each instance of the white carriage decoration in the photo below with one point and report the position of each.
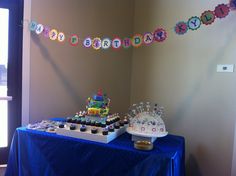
(145, 122)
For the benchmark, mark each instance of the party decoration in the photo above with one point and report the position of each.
(148, 38)
(126, 43)
(98, 105)
(96, 123)
(208, 17)
(145, 122)
(39, 29)
(221, 11)
(87, 42)
(137, 40)
(116, 43)
(53, 34)
(181, 28)
(33, 25)
(106, 43)
(74, 40)
(232, 4)
(96, 43)
(194, 23)
(46, 31)
(44, 125)
(160, 35)
(61, 37)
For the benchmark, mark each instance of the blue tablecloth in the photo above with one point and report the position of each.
(35, 153)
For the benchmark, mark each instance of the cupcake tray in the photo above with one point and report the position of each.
(87, 135)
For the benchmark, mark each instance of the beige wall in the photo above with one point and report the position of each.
(180, 74)
(62, 76)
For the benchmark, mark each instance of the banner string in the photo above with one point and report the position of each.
(147, 38)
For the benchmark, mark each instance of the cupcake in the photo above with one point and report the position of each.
(78, 121)
(97, 124)
(61, 125)
(103, 124)
(111, 128)
(117, 125)
(108, 122)
(105, 131)
(121, 123)
(83, 121)
(83, 128)
(72, 127)
(69, 119)
(88, 122)
(73, 120)
(92, 122)
(126, 121)
(117, 119)
(94, 130)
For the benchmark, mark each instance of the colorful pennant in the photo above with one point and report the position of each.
(160, 35)
(194, 23)
(208, 17)
(137, 40)
(53, 34)
(116, 43)
(181, 28)
(106, 43)
(148, 38)
(126, 43)
(96, 43)
(61, 37)
(221, 11)
(46, 31)
(74, 40)
(39, 29)
(87, 42)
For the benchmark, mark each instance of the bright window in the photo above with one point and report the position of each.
(4, 17)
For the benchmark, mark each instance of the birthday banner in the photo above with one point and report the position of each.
(158, 35)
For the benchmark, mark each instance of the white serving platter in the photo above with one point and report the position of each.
(87, 135)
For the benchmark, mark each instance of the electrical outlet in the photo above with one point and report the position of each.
(225, 68)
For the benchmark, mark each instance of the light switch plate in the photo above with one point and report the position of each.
(225, 68)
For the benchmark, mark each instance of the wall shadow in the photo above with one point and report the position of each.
(192, 168)
(65, 82)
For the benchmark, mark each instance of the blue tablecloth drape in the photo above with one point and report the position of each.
(36, 153)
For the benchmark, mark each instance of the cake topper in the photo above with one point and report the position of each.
(145, 122)
(98, 105)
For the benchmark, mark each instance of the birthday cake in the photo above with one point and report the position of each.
(95, 123)
(96, 113)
